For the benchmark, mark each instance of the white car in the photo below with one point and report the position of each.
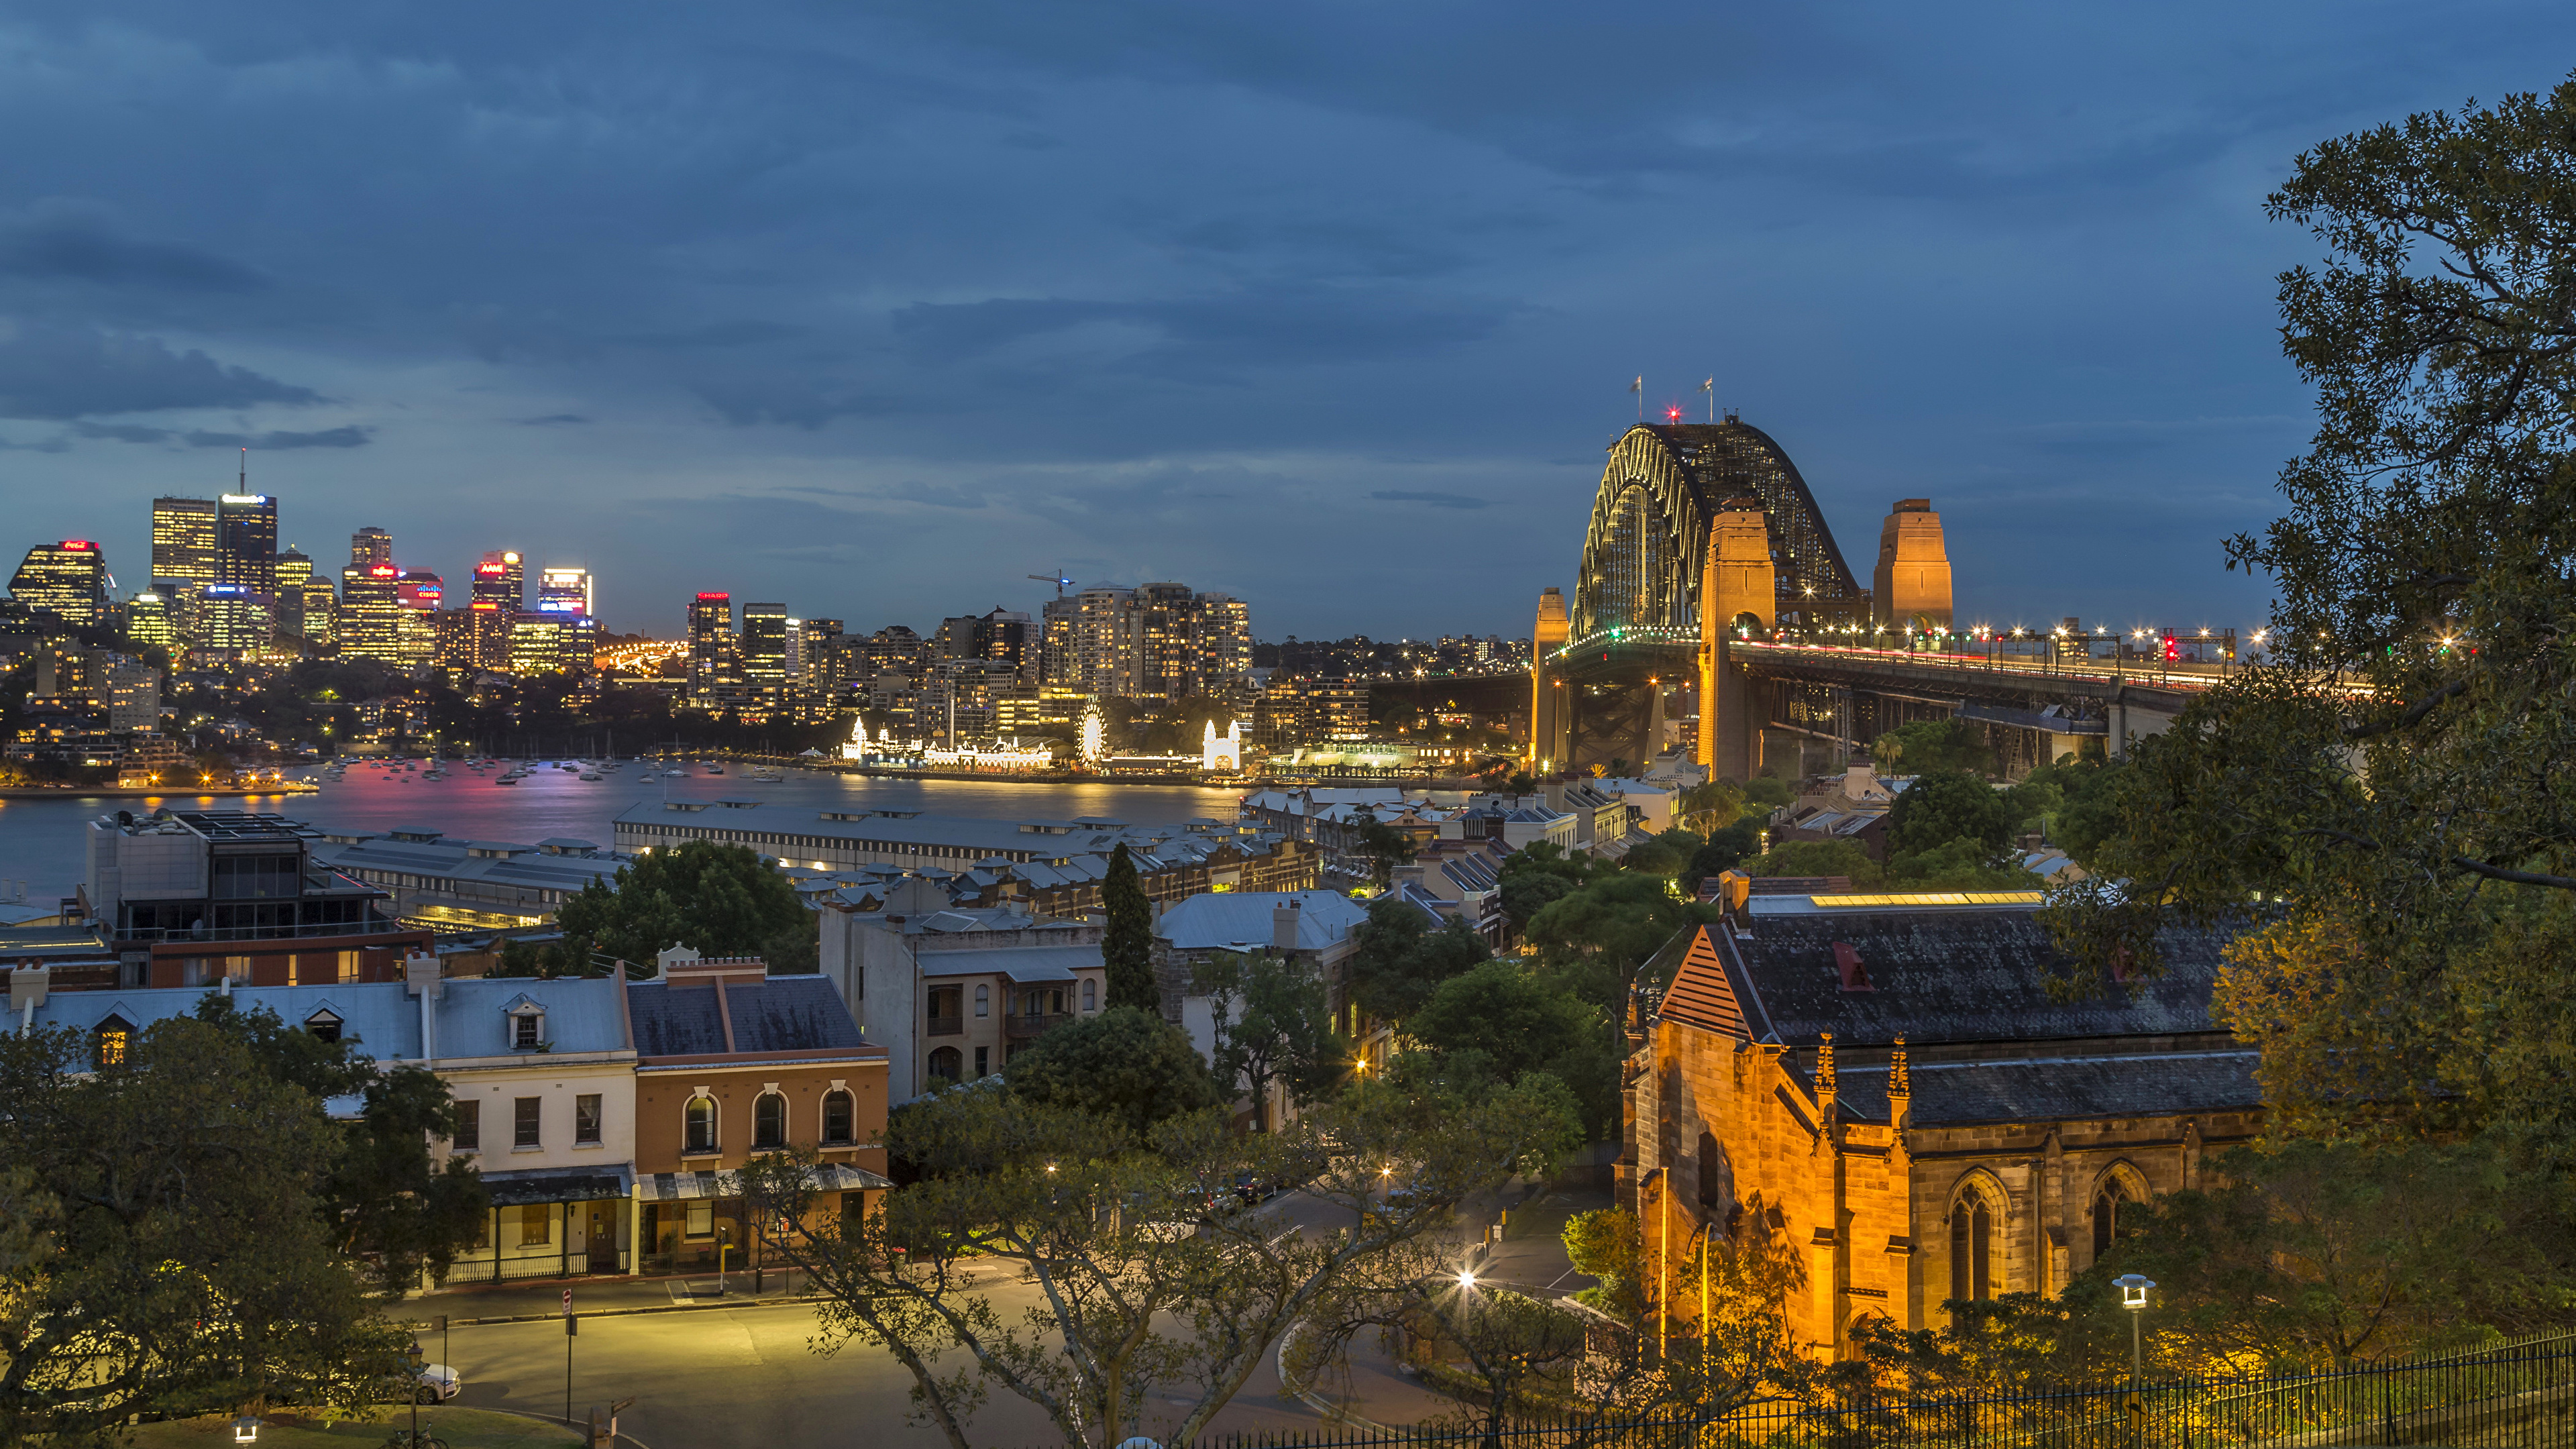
(438, 1383)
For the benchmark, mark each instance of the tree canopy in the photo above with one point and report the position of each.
(1946, 805)
(718, 899)
(1125, 1065)
(2384, 776)
(1127, 944)
(1272, 1025)
(1399, 958)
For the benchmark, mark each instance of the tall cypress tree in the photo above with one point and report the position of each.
(1128, 948)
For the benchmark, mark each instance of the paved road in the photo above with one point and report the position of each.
(749, 1375)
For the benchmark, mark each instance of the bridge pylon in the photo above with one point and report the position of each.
(1738, 582)
(1551, 718)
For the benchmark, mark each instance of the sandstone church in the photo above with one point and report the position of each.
(1889, 1083)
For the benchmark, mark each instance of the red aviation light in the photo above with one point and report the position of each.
(1673, 415)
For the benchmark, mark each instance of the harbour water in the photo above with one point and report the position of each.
(41, 842)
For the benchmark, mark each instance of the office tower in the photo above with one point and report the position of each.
(246, 542)
(369, 547)
(148, 621)
(418, 593)
(497, 582)
(420, 589)
(67, 580)
(233, 617)
(564, 591)
(321, 610)
(294, 576)
(183, 541)
(503, 578)
(764, 653)
(536, 643)
(370, 613)
(1223, 641)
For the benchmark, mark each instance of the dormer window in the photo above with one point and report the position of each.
(323, 1025)
(109, 1041)
(527, 1025)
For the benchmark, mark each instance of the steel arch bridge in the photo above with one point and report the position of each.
(1633, 632)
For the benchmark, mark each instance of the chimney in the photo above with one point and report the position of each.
(1283, 924)
(1847, 961)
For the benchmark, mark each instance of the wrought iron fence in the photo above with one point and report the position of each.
(2515, 1396)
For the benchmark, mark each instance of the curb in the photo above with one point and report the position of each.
(557, 1316)
(1331, 1411)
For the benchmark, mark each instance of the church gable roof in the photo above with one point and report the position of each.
(1702, 994)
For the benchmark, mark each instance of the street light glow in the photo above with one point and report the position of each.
(1466, 1277)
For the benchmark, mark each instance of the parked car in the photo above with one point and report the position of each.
(437, 1383)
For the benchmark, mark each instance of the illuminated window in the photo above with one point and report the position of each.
(112, 1037)
(702, 1219)
(536, 1225)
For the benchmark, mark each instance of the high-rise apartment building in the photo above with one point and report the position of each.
(369, 547)
(716, 678)
(1099, 616)
(1157, 644)
(67, 580)
(564, 591)
(1057, 668)
(1156, 641)
(1224, 641)
(371, 611)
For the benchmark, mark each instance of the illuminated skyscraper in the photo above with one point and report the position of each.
(764, 654)
(246, 542)
(183, 540)
(231, 616)
(294, 576)
(1223, 641)
(370, 612)
(715, 654)
(67, 580)
(502, 578)
(369, 547)
(564, 591)
(147, 620)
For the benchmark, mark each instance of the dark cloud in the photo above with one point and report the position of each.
(551, 420)
(74, 241)
(1436, 500)
(268, 442)
(57, 372)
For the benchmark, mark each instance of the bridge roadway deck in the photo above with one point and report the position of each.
(2152, 684)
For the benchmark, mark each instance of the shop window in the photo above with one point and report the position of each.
(700, 1121)
(525, 1118)
(702, 1219)
(769, 1122)
(536, 1225)
(840, 1120)
(585, 1119)
(108, 1043)
(469, 1126)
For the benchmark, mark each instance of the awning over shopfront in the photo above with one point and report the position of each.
(681, 1186)
(558, 1184)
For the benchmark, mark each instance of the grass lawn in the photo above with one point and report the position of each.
(461, 1428)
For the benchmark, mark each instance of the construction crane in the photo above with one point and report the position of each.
(1058, 579)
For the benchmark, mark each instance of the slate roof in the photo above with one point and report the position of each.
(1979, 974)
(2145, 1084)
(776, 1014)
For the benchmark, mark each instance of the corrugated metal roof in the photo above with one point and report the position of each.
(1020, 963)
(1226, 919)
(777, 1014)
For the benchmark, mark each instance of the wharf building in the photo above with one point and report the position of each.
(456, 886)
(1056, 866)
(1888, 1086)
(198, 897)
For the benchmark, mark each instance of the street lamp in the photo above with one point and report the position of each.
(411, 1365)
(2133, 1297)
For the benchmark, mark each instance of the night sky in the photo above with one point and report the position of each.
(874, 309)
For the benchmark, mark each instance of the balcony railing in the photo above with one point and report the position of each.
(948, 1026)
(1021, 1028)
(373, 926)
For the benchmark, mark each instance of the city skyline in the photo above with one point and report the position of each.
(715, 301)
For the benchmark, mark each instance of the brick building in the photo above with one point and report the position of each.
(732, 1062)
(1889, 1083)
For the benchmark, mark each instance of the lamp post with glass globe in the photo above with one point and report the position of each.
(411, 1369)
(2133, 1297)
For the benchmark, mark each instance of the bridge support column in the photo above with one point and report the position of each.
(1737, 581)
(1551, 713)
